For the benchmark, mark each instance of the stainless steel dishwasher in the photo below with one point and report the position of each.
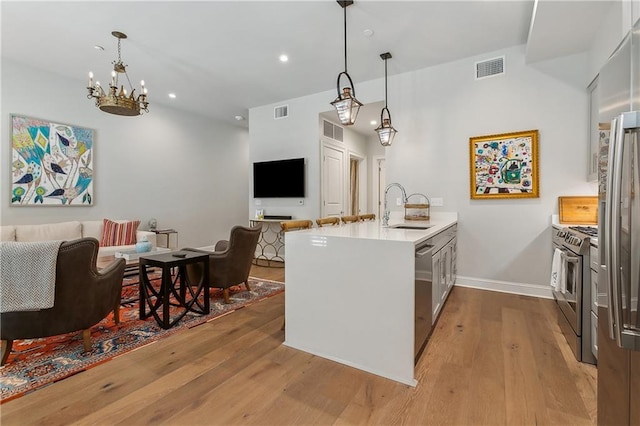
(423, 296)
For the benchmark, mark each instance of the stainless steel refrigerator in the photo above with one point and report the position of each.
(619, 236)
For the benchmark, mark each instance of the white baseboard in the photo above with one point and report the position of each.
(506, 287)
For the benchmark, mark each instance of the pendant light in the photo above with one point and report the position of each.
(346, 104)
(116, 101)
(385, 130)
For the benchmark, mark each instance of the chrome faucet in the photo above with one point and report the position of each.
(385, 215)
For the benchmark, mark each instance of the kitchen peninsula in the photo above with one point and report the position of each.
(351, 292)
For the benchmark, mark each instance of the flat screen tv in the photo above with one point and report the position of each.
(279, 179)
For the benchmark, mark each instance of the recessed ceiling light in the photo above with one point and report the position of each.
(172, 95)
(98, 47)
(283, 58)
(373, 122)
(239, 117)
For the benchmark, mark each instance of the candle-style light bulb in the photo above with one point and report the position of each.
(90, 79)
(113, 78)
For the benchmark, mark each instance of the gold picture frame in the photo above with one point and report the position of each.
(504, 165)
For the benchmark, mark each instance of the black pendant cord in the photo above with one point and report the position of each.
(385, 57)
(344, 9)
(385, 83)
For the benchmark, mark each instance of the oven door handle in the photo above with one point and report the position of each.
(567, 258)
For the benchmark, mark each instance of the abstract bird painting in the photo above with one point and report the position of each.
(52, 163)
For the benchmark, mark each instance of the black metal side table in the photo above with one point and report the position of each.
(187, 294)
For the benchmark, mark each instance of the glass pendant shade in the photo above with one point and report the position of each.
(386, 132)
(347, 107)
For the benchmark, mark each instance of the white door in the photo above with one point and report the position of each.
(332, 181)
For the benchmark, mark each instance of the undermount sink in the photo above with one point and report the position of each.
(405, 226)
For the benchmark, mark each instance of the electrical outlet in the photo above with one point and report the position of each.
(437, 202)
(301, 202)
(398, 201)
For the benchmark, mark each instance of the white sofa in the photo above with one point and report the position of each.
(68, 231)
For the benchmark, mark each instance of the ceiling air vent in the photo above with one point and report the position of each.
(332, 131)
(281, 111)
(490, 68)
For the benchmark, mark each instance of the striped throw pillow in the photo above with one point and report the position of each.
(118, 233)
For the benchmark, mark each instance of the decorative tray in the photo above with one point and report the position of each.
(130, 255)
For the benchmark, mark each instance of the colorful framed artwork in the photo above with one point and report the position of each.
(51, 163)
(504, 165)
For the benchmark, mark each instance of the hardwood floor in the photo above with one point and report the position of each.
(493, 359)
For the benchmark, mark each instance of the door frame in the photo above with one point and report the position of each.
(362, 181)
(375, 181)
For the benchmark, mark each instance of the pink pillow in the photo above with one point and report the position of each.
(118, 234)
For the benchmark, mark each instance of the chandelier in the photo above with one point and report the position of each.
(346, 104)
(385, 130)
(117, 100)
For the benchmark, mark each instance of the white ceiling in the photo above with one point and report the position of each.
(221, 57)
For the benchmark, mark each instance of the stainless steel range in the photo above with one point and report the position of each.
(574, 316)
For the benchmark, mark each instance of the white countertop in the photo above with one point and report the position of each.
(375, 231)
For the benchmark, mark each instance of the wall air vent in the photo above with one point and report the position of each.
(327, 129)
(281, 111)
(337, 133)
(490, 68)
(332, 131)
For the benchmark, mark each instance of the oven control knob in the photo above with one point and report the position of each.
(574, 240)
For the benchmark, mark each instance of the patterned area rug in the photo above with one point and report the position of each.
(38, 362)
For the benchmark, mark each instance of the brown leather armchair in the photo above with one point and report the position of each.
(230, 263)
(83, 297)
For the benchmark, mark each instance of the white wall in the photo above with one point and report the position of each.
(436, 111)
(187, 171)
(291, 137)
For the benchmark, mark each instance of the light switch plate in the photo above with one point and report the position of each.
(258, 202)
(437, 202)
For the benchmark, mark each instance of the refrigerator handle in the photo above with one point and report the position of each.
(614, 235)
(608, 218)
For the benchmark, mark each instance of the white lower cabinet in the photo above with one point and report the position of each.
(436, 266)
(444, 272)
